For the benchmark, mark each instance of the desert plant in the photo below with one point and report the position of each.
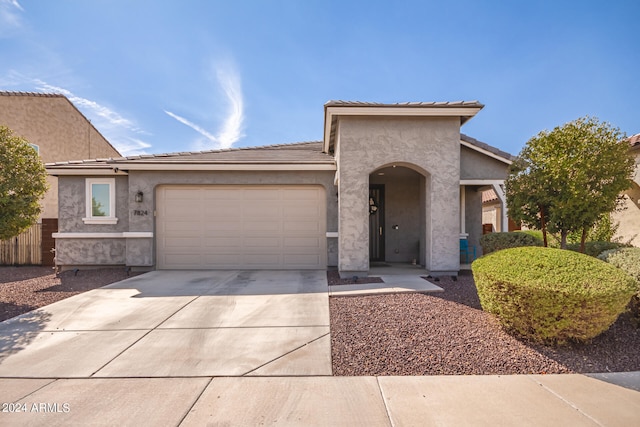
(628, 260)
(596, 248)
(551, 295)
(496, 241)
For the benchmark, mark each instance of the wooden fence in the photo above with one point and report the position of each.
(24, 249)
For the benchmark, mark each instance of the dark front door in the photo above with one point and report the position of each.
(376, 222)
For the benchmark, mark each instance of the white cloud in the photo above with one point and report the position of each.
(231, 129)
(10, 18)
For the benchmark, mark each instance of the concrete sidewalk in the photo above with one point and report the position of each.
(251, 348)
(522, 400)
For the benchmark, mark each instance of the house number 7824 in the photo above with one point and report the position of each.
(140, 213)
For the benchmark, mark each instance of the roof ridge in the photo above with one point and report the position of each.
(472, 103)
(25, 93)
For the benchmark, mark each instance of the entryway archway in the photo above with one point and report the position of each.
(397, 212)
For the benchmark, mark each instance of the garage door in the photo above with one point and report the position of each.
(241, 227)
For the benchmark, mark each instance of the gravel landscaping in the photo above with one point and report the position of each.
(23, 289)
(404, 334)
(447, 333)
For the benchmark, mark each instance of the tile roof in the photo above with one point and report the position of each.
(487, 147)
(489, 196)
(634, 140)
(40, 94)
(339, 103)
(302, 152)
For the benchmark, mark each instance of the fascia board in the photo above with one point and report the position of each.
(228, 166)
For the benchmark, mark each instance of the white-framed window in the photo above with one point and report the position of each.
(35, 147)
(100, 201)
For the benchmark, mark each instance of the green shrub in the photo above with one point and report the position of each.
(596, 248)
(497, 241)
(550, 295)
(627, 260)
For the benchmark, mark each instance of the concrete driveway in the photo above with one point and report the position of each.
(178, 324)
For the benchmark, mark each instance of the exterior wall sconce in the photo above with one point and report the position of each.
(139, 196)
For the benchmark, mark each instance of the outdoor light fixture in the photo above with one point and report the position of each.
(139, 196)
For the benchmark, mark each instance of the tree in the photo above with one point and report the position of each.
(563, 181)
(22, 184)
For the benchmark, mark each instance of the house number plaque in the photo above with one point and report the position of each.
(140, 213)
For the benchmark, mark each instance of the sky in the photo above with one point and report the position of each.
(157, 76)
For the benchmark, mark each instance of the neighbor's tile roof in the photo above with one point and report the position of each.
(489, 196)
(634, 140)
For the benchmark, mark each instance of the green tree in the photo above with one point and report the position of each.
(565, 180)
(22, 184)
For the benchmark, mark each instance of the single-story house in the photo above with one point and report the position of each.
(58, 131)
(388, 183)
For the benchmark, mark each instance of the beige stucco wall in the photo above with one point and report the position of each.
(629, 216)
(59, 130)
(430, 145)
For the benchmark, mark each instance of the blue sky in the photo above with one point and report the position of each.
(164, 76)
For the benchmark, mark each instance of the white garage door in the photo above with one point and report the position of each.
(241, 227)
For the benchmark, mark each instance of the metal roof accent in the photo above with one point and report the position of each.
(340, 103)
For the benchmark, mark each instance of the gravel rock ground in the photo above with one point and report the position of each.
(449, 334)
(23, 289)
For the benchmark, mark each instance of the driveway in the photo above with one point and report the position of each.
(178, 324)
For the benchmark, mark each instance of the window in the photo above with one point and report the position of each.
(101, 201)
(35, 147)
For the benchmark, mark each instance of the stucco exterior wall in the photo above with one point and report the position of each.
(139, 217)
(475, 165)
(430, 145)
(59, 130)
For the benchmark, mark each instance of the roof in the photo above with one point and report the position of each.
(40, 94)
(486, 147)
(489, 196)
(464, 110)
(302, 155)
(634, 141)
(455, 104)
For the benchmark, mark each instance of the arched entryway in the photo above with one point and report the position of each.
(397, 215)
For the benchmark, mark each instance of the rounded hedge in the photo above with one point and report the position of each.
(627, 260)
(551, 295)
(493, 242)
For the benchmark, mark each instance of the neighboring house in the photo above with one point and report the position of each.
(388, 183)
(492, 213)
(629, 217)
(59, 131)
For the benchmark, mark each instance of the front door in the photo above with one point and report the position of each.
(376, 222)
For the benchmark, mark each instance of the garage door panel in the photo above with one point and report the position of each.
(274, 227)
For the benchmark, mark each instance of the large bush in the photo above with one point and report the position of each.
(497, 241)
(596, 248)
(551, 295)
(628, 260)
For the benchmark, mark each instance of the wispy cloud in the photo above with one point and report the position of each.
(231, 129)
(119, 131)
(10, 18)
